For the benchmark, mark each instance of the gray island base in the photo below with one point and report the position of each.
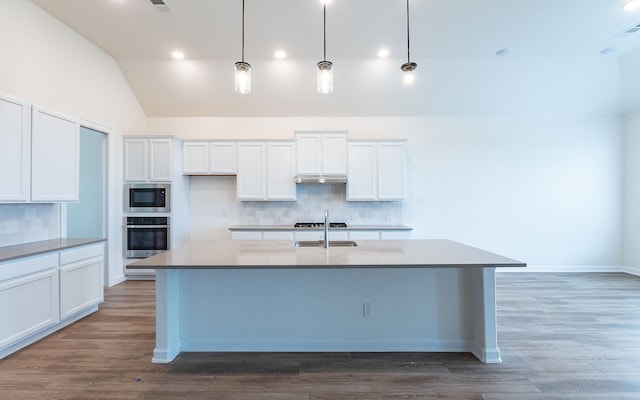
(380, 296)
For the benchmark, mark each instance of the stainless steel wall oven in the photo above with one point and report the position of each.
(145, 236)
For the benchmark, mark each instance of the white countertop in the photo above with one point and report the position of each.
(279, 254)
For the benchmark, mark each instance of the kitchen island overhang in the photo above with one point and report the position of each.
(235, 295)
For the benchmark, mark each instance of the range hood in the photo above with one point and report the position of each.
(319, 178)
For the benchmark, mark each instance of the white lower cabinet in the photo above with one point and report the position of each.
(81, 282)
(28, 299)
(246, 235)
(319, 235)
(277, 235)
(39, 296)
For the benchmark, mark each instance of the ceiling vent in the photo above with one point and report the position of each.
(628, 32)
(161, 5)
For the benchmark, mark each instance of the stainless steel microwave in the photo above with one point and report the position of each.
(147, 197)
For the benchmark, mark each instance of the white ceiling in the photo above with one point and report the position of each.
(141, 38)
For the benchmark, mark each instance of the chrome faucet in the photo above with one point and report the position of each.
(326, 229)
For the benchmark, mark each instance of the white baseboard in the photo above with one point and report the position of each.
(570, 268)
(632, 270)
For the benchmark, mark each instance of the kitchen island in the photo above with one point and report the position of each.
(388, 295)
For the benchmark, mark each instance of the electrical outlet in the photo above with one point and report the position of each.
(367, 310)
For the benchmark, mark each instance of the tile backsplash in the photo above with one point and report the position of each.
(313, 199)
(22, 223)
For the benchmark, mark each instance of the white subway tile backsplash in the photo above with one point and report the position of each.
(214, 208)
(23, 223)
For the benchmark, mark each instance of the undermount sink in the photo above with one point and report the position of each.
(320, 243)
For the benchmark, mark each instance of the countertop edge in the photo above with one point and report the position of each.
(14, 252)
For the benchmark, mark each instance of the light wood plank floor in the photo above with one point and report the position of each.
(562, 336)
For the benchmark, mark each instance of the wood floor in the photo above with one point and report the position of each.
(562, 336)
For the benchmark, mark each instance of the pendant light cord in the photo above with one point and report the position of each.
(242, 30)
(324, 22)
(408, 44)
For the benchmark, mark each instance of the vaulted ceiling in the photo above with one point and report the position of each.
(449, 34)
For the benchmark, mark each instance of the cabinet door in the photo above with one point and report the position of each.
(80, 286)
(334, 154)
(27, 305)
(246, 235)
(135, 160)
(390, 171)
(251, 182)
(361, 181)
(277, 235)
(15, 150)
(222, 158)
(281, 171)
(160, 160)
(55, 157)
(195, 158)
(308, 158)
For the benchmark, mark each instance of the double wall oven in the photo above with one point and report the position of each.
(147, 222)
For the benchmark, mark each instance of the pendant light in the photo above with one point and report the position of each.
(409, 66)
(243, 69)
(325, 68)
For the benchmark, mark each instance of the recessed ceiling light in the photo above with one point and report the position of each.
(383, 53)
(503, 52)
(177, 54)
(325, 1)
(631, 5)
(280, 54)
(607, 51)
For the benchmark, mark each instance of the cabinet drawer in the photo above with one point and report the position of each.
(81, 253)
(25, 266)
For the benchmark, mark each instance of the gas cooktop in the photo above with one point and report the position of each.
(320, 225)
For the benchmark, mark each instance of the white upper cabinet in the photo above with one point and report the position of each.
(209, 158)
(361, 179)
(148, 159)
(281, 171)
(15, 150)
(251, 183)
(391, 164)
(321, 152)
(55, 157)
(376, 170)
(266, 171)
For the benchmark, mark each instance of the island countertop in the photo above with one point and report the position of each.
(282, 254)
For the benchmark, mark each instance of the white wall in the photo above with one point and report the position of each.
(547, 191)
(46, 63)
(632, 194)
